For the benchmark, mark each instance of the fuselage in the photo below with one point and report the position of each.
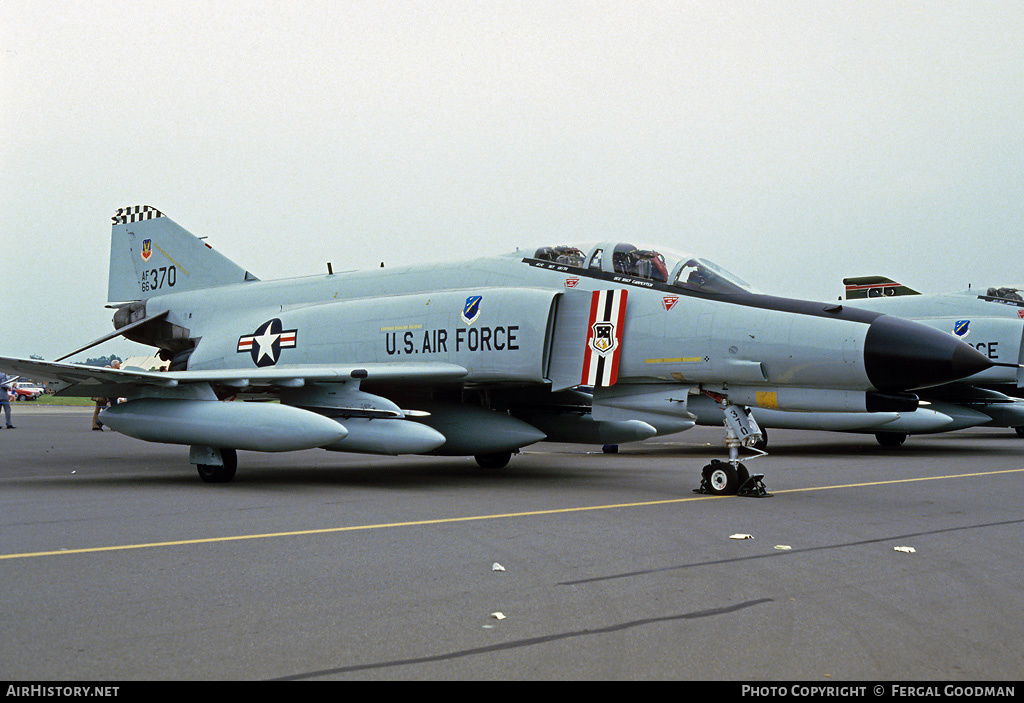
(672, 331)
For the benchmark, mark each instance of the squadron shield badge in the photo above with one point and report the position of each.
(147, 249)
(962, 328)
(471, 310)
(602, 337)
(266, 344)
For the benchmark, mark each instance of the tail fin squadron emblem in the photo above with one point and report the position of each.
(266, 344)
(147, 249)
(471, 310)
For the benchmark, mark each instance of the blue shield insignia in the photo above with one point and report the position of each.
(471, 310)
(961, 328)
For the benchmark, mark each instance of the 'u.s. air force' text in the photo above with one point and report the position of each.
(441, 341)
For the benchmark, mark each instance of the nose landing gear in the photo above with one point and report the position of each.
(730, 477)
(725, 478)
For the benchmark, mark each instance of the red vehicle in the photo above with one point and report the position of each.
(24, 390)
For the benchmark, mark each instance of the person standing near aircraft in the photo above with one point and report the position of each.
(5, 399)
(102, 403)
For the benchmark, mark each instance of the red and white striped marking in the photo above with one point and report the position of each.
(604, 338)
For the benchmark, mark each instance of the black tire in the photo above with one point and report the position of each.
(722, 478)
(220, 474)
(493, 461)
(610, 449)
(890, 440)
(1020, 431)
(761, 445)
(741, 476)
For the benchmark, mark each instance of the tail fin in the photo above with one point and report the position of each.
(874, 287)
(151, 255)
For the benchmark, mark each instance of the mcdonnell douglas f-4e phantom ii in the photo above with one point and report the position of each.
(992, 323)
(479, 358)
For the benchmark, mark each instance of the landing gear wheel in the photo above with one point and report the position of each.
(721, 478)
(742, 476)
(1020, 431)
(610, 449)
(890, 439)
(493, 461)
(220, 474)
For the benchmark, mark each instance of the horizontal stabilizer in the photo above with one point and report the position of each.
(116, 333)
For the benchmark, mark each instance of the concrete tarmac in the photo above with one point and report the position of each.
(119, 564)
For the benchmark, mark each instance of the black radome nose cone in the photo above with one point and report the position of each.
(901, 354)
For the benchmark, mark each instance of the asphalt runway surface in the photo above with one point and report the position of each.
(118, 564)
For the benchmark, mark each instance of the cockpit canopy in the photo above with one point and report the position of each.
(1006, 294)
(647, 263)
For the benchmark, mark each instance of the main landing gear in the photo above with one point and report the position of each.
(498, 460)
(220, 464)
(890, 440)
(724, 478)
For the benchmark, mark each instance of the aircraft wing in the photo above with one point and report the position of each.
(93, 381)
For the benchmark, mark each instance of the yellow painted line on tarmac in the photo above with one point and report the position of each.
(474, 518)
(353, 528)
(902, 480)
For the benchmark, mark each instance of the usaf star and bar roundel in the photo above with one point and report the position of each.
(266, 344)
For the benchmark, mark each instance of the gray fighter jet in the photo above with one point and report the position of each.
(991, 321)
(481, 358)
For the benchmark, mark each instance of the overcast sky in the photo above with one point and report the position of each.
(794, 143)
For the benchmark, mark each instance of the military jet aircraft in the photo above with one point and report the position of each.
(992, 322)
(480, 358)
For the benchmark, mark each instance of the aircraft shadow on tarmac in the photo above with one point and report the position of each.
(545, 465)
(425, 473)
(938, 445)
